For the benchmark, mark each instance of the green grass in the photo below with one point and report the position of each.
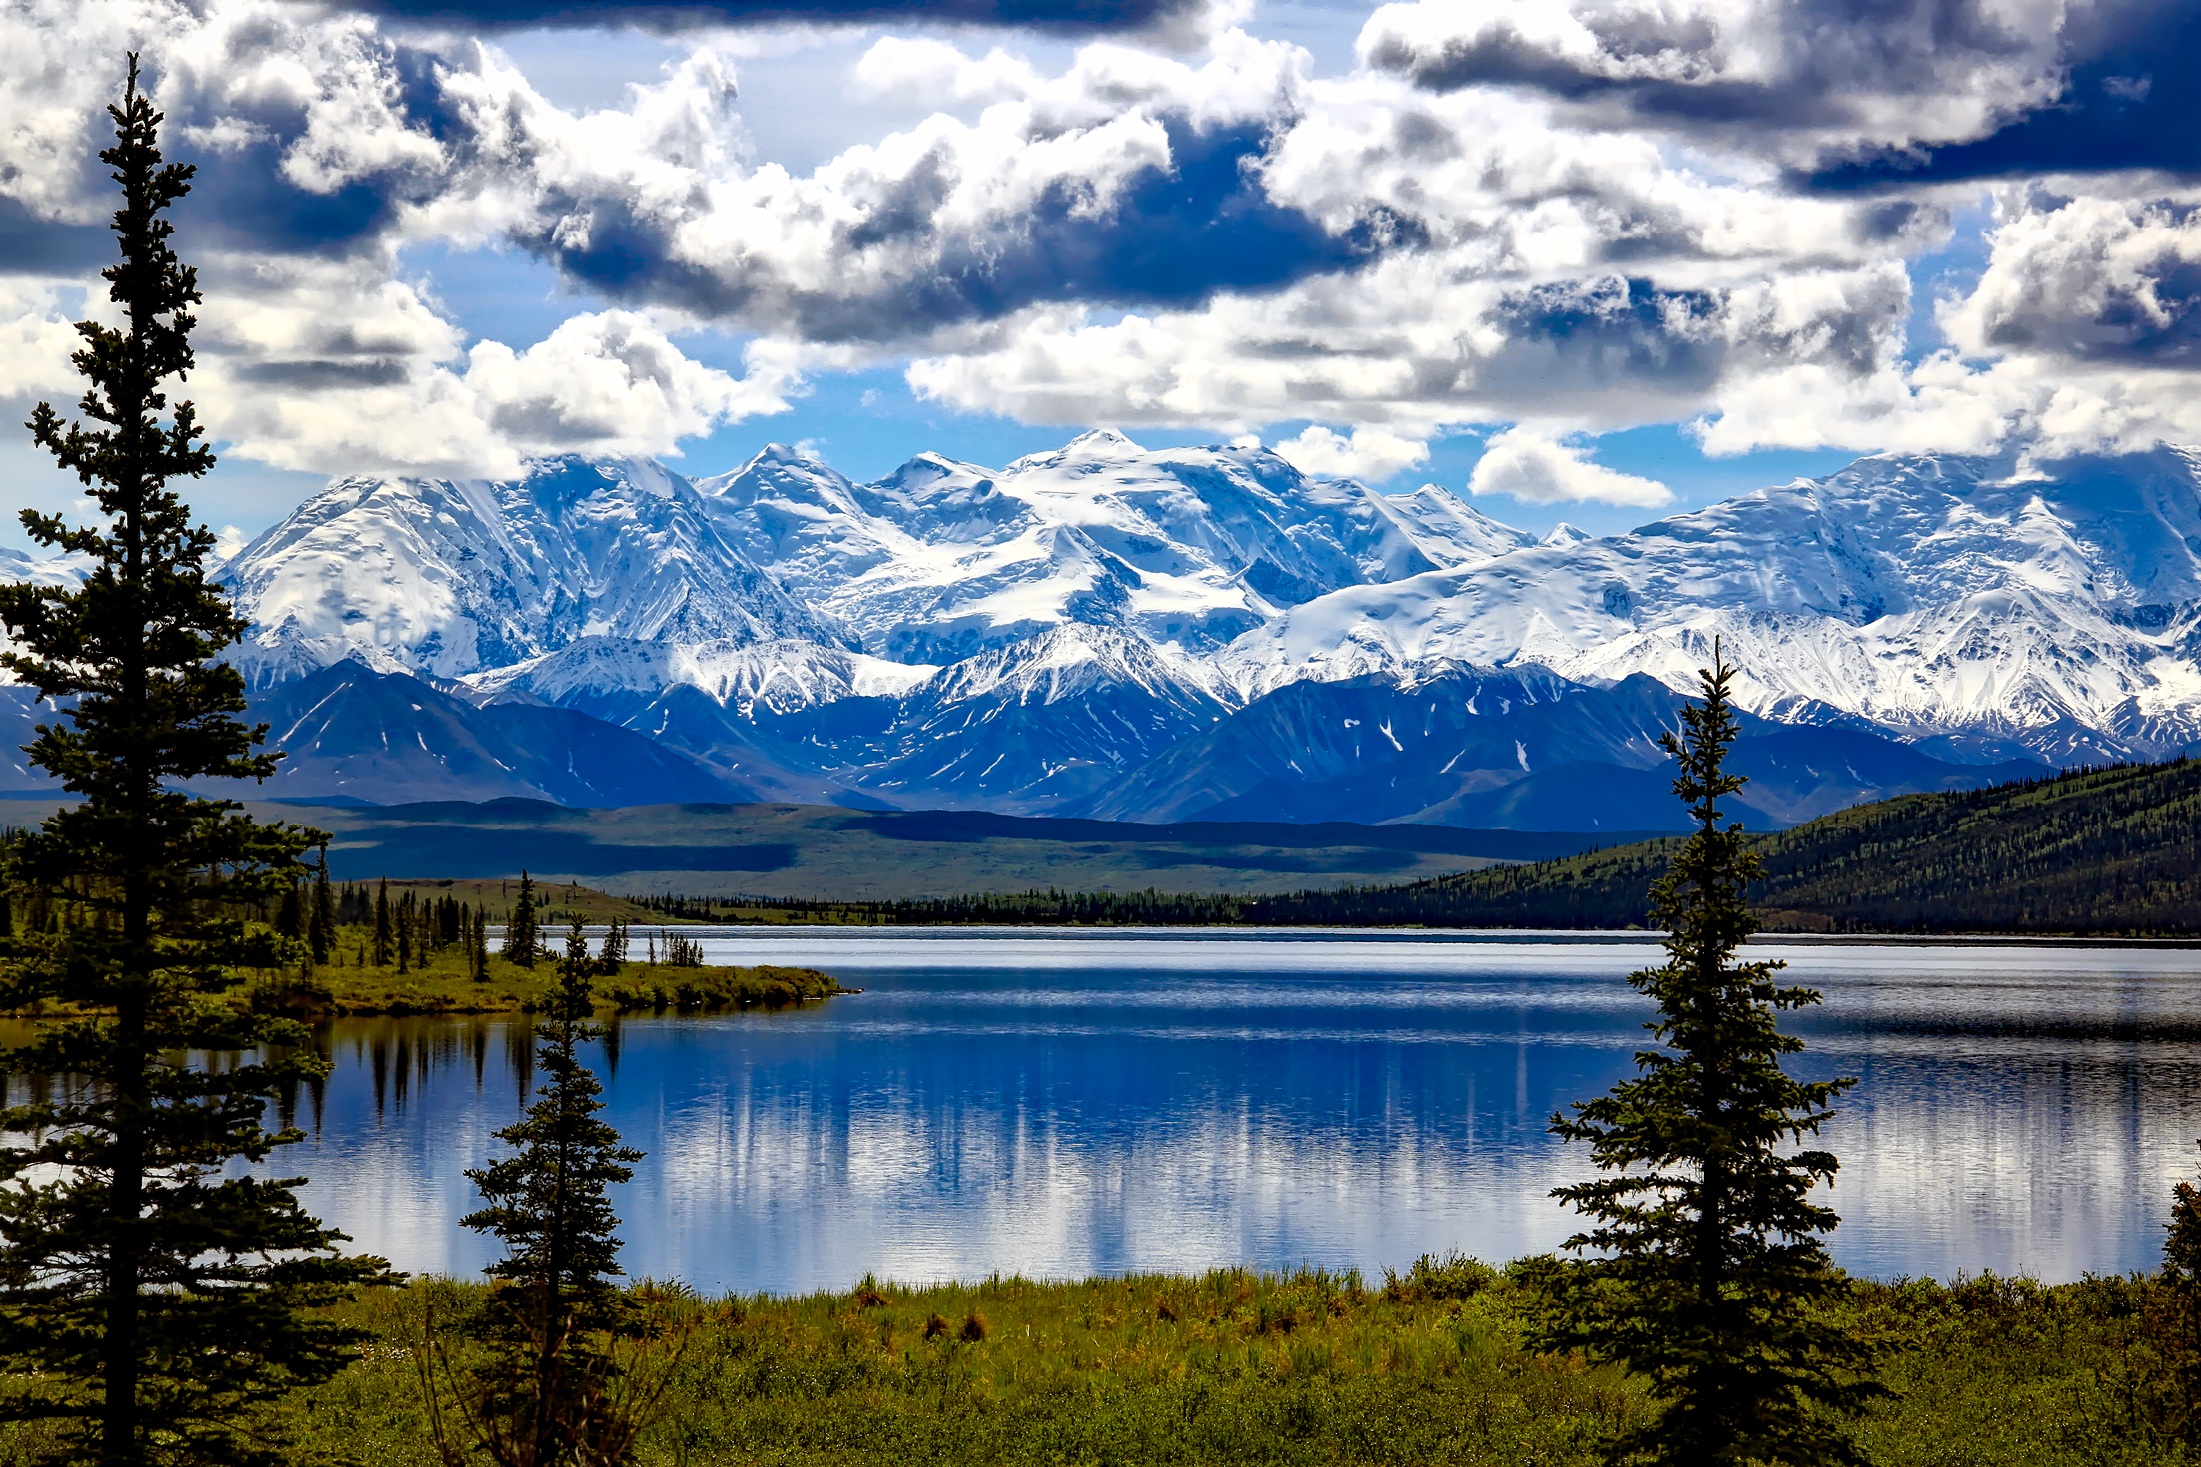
(1240, 1368)
(446, 985)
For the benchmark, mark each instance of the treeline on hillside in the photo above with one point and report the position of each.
(2095, 852)
(2100, 852)
(1434, 903)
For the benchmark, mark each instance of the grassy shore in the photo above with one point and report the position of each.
(446, 985)
(1239, 1368)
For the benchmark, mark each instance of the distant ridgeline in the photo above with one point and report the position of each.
(2103, 852)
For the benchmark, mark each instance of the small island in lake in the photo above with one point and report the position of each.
(448, 947)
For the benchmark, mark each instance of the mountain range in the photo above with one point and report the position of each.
(1109, 632)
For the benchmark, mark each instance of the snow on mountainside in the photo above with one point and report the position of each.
(1020, 729)
(1190, 547)
(1932, 597)
(1188, 632)
(447, 578)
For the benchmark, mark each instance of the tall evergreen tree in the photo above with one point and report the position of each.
(1706, 1254)
(522, 936)
(150, 1296)
(289, 912)
(548, 1396)
(321, 923)
(382, 924)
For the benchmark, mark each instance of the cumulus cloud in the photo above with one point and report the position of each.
(1164, 16)
(1853, 92)
(36, 340)
(1537, 469)
(1585, 216)
(1128, 179)
(1801, 78)
(925, 69)
(2081, 335)
(1374, 454)
(1418, 341)
(2097, 279)
(602, 382)
(318, 146)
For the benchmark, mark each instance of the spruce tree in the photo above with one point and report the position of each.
(549, 1394)
(321, 923)
(151, 1297)
(289, 914)
(382, 924)
(522, 937)
(1706, 1259)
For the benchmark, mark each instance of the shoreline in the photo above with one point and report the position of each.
(1589, 936)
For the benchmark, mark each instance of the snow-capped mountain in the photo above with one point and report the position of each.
(1929, 596)
(1181, 633)
(1185, 547)
(449, 578)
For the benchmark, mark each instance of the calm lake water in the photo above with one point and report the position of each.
(1070, 1103)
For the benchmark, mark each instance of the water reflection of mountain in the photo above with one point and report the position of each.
(2018, 1109)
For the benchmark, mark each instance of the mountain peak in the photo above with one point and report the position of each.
(1104, 445)
(1101, 440)
(785, 453)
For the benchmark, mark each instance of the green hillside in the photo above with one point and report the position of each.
(2099, 852)
(2107, 851)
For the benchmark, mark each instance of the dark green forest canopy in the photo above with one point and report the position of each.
(2103, 852)
(2093, 852)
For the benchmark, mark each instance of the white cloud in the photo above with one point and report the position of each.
(36, 340)
(1796, 82)
(1569, 246)
(1374, 454)
(925, 69)
(948, 222)
(1536, 469)
(602, 382)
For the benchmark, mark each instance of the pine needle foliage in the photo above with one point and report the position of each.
(523, 934)
(150, 1297)
(2171, 1319)
(1704, 1267)
(552, 1394)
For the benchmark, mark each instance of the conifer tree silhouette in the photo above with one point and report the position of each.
(523, 935)
(150, 1296)
(1706, 1252)
(552, 1392)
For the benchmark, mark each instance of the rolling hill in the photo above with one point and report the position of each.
(2099, 852)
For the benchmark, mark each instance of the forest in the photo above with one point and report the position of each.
(2090, 852)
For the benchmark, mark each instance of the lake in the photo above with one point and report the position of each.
(1064, 1103)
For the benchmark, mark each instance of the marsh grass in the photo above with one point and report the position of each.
(1235, 1367)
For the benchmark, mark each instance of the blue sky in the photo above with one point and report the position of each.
(1647, 256)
